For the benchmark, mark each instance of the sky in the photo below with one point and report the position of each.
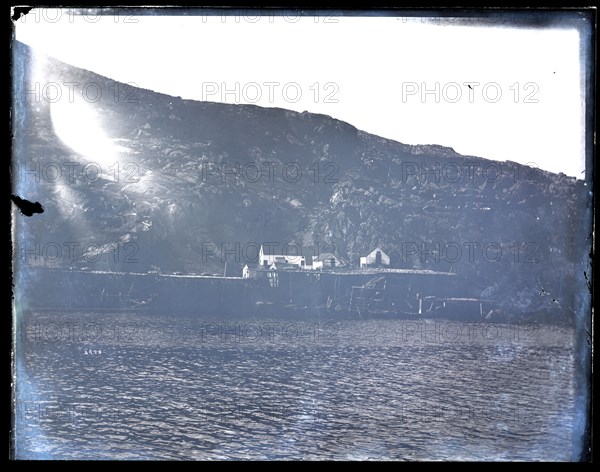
(501, 93)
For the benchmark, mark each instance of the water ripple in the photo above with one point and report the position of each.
(163, 388)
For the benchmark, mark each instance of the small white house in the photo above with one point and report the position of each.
(376, 258)
(269, 255)
(254, 272)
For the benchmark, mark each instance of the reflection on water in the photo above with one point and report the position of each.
(117, 386)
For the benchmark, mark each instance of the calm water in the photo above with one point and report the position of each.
(116, 386)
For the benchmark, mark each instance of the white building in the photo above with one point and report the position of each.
(269, 255)
(376, 258)
(254, 272)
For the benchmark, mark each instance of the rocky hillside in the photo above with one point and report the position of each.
(134, 180)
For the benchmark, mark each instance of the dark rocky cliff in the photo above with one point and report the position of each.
(183, 180)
